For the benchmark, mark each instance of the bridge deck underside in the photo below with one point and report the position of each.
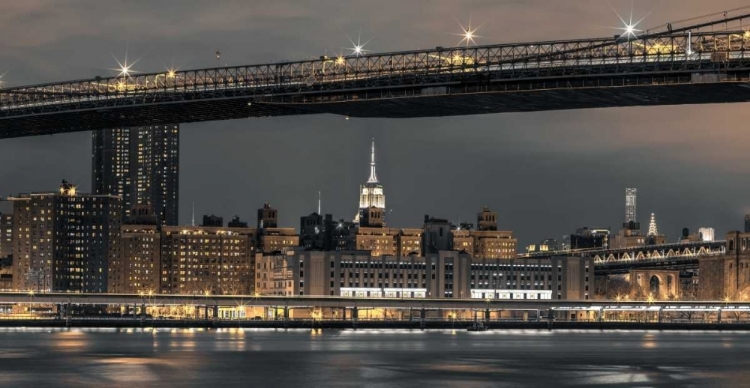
(457, 102)
(537, 100)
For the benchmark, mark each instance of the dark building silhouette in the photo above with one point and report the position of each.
(486, 220)
(437, 235)
(140, 165)
(236, 223)
(268, 217)
(585, 238)
(212, 220)
(312, 233)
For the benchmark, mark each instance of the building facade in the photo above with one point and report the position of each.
(207, 260)
(447, 274)
(138, 267)
(141, 165)
(65, 241)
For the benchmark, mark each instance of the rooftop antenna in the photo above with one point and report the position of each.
(318, 202)
(193, 220)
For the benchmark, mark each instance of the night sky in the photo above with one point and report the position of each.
(545, 173)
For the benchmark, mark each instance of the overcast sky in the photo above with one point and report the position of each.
(544, 173)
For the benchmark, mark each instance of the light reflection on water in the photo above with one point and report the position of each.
(375, 358)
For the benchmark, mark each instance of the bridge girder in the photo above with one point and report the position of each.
(683, 66)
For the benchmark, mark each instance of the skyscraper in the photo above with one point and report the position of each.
(141, 166)
(630, 197)
(371, 193)
(652, 230)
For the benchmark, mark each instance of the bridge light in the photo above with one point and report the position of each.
(629, 28)
(359, 47)
(468, 34)
(124, 68)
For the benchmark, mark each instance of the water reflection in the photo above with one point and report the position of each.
(376, 358)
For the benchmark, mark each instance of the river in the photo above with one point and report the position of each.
(370, 358)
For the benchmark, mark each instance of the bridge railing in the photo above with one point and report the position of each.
(689, 51)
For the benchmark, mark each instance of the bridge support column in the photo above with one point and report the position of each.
(550, 318)
(216, 312)
(422, 318)
(205, 313)
(343, 313)
(487, 315)
(355, 316)
(600, 315)
(659, 315)
(718, 316)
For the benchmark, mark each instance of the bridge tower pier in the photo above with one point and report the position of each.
(355, 316)
(422, 318)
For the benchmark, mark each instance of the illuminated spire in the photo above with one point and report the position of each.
(652, 231)
(373, 177)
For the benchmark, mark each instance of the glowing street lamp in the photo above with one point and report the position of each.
(629, 28)
(467, 34)
(358, 49)
(124, 68)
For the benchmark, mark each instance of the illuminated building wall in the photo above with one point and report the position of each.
(379, 241)
(278, 239)
(141, 165)
(200, 260)
(65, 241)
(138, 267)
(274, 274)
(493, 244)
(447, 274)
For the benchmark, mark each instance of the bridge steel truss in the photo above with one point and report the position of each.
(484, 79)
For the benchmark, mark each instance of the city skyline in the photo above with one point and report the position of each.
(534, 169)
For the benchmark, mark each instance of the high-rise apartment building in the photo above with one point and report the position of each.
(140, 165)
(65, 241)
(137, 269)
(207, 260)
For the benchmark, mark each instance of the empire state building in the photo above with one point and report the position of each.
(371, 193)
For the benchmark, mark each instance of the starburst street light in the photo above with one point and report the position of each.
(468, 34)
(124, 68)
(629, 28)
(358, 49)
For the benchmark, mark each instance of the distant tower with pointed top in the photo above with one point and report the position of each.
(652, 231)
(371, 193)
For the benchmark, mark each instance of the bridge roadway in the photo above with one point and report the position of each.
(310, 302)
(693, 64)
